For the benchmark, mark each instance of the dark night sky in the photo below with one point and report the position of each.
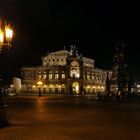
(48, 25)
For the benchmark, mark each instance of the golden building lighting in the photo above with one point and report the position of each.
(39, 83)
(64, 72)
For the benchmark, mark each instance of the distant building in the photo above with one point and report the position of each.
(64, 72)
(17, 84)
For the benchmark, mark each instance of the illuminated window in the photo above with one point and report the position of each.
(63, 75)
(50, 75)
(88, 76)
(63, 86)
(84, 76)
(44, 75)
(98, 77)
(39, 74)
(56, 75)
(77, 75)
(75, 72)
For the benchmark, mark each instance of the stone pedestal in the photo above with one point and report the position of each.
(3, 119)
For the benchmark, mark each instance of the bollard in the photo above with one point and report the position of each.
(3, 119)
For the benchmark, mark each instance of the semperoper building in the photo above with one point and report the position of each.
(64, 72)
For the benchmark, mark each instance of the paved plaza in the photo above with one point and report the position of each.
(70, 118)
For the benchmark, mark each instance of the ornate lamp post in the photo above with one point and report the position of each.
(107, 85)
(6, 34)
(39, 83)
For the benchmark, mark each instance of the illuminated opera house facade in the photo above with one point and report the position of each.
(64, 72)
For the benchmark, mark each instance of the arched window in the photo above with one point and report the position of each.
(50, 75)
(44, 75)
(88, 76)
(75, 72)
(63, 75)
(56, 74)
(39, 74)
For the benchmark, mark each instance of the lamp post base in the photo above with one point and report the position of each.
(3, 119)
(39, 92)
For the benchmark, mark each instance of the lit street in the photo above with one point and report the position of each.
(70, 118)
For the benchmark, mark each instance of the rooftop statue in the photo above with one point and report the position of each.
(73, 51)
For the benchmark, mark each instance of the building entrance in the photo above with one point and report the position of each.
(75, 88)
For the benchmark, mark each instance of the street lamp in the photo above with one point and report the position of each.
(6, 35)
(39, 83)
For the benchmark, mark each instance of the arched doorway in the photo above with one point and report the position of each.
(75, 88)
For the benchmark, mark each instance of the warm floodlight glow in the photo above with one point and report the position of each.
(1, 37)
(6, 35)
(138, 86)
(77, 88)
(8, 32)
(39, 83)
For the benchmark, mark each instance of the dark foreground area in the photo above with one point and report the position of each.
(71, 118)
